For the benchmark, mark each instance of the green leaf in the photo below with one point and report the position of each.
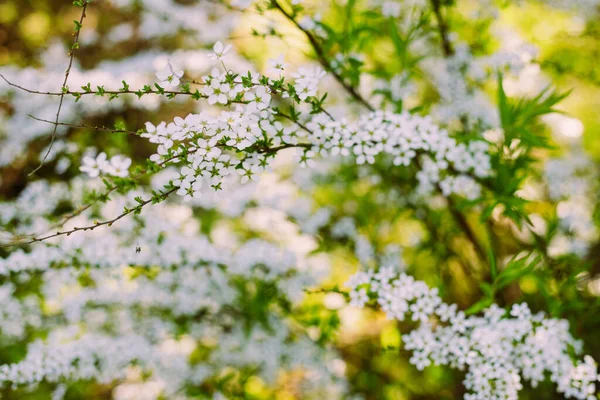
(515, 270)
(480, 305)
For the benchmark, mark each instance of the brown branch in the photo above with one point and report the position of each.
(295, 121)
(96, 224)
(464, 224)
(323, 59)
(442, 28)
(98, 93)
(77, 212)
(162, 196)
(85, 207)
(62, 96)
(82, 126)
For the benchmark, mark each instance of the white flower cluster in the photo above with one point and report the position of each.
(307, 81)
(459, 99)
(109, 307)
(117, 166)
(407, 139)
(99, 357)
(460, 80)
(570, 176)
(135, 70)
(572, 182)
(168, 77)
(155, 20)
(166, 18)
(205, 138)
(498, 349)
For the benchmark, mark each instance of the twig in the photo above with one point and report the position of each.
(101, 93)
(458, 216)
(77, 212)
(83, 208)
(295, 121)
(162, 196)
(323, 59)
(273, 150)
(464, 224)
(96, 223)
(442, 28)
(82, 126)
(448, 51)
(64, 85)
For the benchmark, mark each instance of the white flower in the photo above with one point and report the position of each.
(169, 77)
(248, 172)
(219, 51)
(306, 91)
(276, 65)
(208, 149)
(259, 99)
(520, 311)
(217, 92)
(358, 298)
(94, 166)
(118, 166)
(153, 133)
(241, 4)
(391, 9)
(498, 352)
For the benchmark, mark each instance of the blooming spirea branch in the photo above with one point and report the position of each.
(498, 350)
(242, 140)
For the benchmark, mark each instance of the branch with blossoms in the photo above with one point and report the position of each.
(156, 198)
(321, 56)
(400, 136)
(252, 94)
(499, 350)
(445, 187)
(202, 142)
(118, 166)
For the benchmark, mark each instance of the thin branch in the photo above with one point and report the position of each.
(85, 207)
(273, 150)
(77, 212)
(457, 215)
(162, 196)
(323, 59)
(295, 121)
(97, 224)
(101, 93)
(464, 224)
(82, 126)
(62, 96)
(442, 28)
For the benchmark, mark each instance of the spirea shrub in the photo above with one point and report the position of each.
(265, 199)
